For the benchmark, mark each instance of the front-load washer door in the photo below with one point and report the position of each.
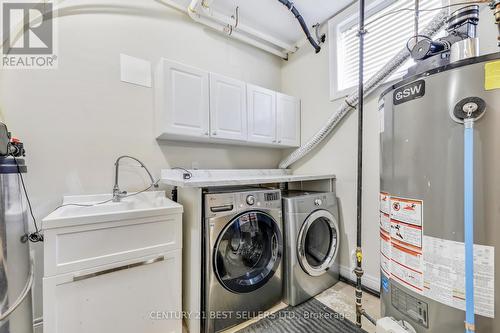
(248, 252)
(318, 243)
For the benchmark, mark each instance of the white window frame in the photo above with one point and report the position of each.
(348, 17)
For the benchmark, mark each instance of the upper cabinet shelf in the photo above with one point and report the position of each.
(195, 105)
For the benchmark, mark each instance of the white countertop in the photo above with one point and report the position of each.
(230, 177)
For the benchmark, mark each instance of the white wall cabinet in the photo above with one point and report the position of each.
(194, 105)
(228, 109)
(288, 124)
(182, 102)
(261, 115)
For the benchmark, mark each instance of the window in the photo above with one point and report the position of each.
(385, 38)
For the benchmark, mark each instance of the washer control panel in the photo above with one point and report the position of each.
(226, 203)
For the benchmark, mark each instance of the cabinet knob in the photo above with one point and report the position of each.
(214, 133)
(274, 141)
(206, 133)
(279, 141)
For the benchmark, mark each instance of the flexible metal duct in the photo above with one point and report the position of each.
(352, 100)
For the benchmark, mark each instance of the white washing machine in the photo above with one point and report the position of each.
(311, 233)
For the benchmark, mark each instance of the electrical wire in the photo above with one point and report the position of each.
(425, 10)
(189, 173)
(36, 236)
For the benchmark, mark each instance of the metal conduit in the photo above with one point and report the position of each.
(351, 101)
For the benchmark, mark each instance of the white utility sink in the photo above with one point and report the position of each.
(144, 204)
(117, 261)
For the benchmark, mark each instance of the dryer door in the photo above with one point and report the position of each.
(248, 252)
(318, 243)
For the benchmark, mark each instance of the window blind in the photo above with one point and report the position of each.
(384, 39)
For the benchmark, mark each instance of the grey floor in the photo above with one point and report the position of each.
(339, 298)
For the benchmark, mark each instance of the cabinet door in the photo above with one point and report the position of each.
(182, 101)
(261, 114)
(288, 120)
(228, 108)
(140, 296)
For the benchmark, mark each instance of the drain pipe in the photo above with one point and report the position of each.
(288, 4)
(359, 253)
(351, 101)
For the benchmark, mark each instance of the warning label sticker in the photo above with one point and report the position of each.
(385, 253)
(407, 222)
(407, 267)
(444, 279)
(385, 203)
(407, 210)
(406, 234)
(385, 222)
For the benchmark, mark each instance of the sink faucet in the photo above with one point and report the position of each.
(117, 193)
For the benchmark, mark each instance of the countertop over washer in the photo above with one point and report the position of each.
(231, 177)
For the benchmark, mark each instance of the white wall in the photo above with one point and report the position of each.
(76, 120)
(307, 75)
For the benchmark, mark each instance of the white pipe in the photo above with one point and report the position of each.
(223, 19)
(195, 16)
(173, 4)
(193, 13)
(351, 101)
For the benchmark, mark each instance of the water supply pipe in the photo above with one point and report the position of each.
(351, 101)
(469, 223)
(302, 23)
(467, 111)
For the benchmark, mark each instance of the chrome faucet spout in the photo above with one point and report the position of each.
(117, 193)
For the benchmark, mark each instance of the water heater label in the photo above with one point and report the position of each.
(409, 92)
(444, 279)
(407, 267)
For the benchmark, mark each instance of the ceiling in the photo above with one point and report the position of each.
(272, 17)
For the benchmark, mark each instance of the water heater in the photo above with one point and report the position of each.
(422, 197)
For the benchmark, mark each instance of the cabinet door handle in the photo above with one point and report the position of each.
(214, 133)
(117, 269)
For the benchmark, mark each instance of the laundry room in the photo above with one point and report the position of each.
(264, 166)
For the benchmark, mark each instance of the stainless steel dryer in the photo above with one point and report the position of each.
(243, 250)
(311, 244)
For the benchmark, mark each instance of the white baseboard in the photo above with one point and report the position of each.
(368, 281)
